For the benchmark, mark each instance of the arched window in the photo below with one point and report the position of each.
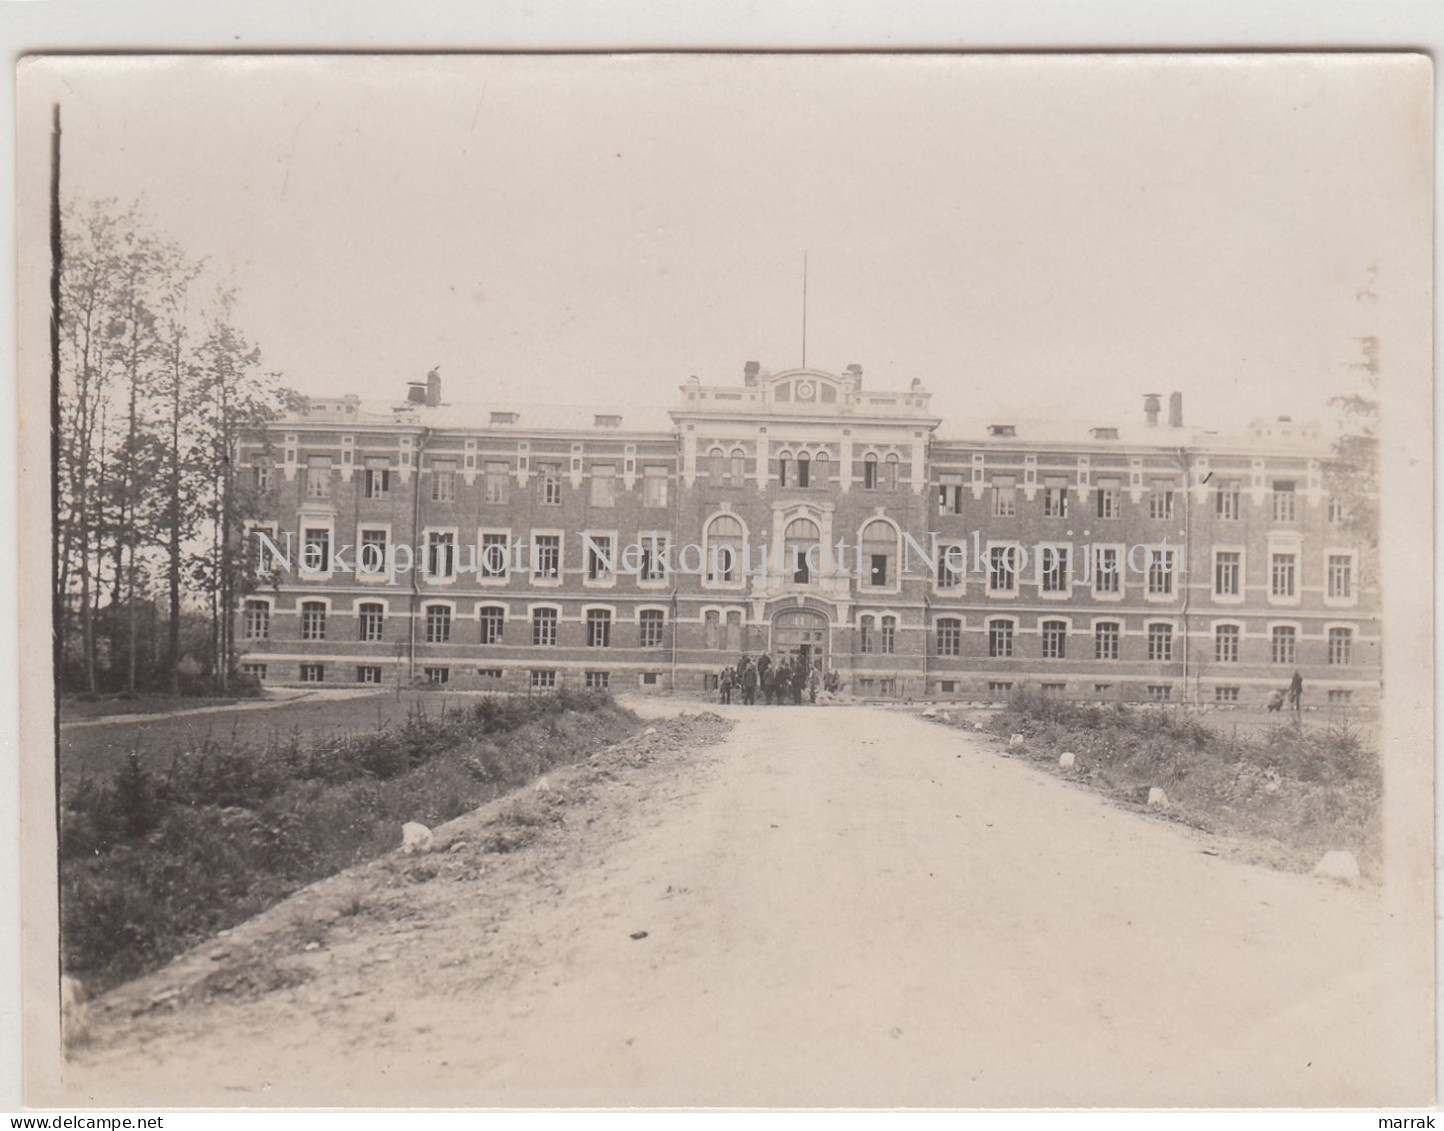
(371, 621)
(888, 639)
(313, 620)
(869, 472)
(820, 470)
(438, 624)
(866, 633)
(804, 469)
(1055, 639)
(493, 623)
(784, 468)
(879, 552)
(711, 629)
(800, 540)
(739, 466)
(724, 549)
(715, 465)
(890, 475)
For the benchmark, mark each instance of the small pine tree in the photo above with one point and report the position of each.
(135, 799)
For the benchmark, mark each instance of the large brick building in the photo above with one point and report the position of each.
(546, 546)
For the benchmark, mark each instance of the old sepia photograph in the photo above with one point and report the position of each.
(727, 580)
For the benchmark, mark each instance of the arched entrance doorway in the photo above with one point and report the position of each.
(801, 631)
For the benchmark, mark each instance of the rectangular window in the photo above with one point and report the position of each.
(866, 635)
(1055, 640)
(497, 480)
(489, 673)
(1225, 694)
(869, 474)
(599, 628)
(438, 624)
(947, 687)
(1109, 498)
(1160, 643)
(1055, 498)
(1055, 565)
(1336, 510)
(888, 639)
(1107, 569)
(1160, 499)
(1160, 572)
(443, 481)
(543, 680)
(1002, 575)
(544, 627)
(604, 485)
(255, 671)
(950, 636)
(1226, 500)
(371, 622)
(1341, 645)
(654, 485)
(1005, 496)
(654, 558)
(1000, 639)
(1225, 643)
(1341, 576)
(599, 557)
(261, 477)
(1227, 573)
(256, 621)
(368, 673)
(1160, 692)
(372, 556)
(952, 562)
(999, 686)
(1285, 501)
(1054, 688)
(877, 570)
(549, 484)
(651, 628)
(651, 679)
(1283, 570)
(493, 564)
(1338, 697)
(547, 557)
(313, 673)
(492, 619)
(316, 549)
(1285, 645)
(1105, 641)
(318, 477)
(378, 477)
(737, 468)
(441, 554)
(437, 675)
(313, 621)
(598, 681)
(950, 494)
(804, 470)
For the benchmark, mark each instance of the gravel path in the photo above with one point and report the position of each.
(839, 907)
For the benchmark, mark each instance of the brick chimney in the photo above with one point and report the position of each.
(1151, 404)
(1175, 410)
(750, 372)
(416, 392)
(433, 388)
(854, 372)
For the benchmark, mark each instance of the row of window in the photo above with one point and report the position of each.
(539, 679)
(1105, 498)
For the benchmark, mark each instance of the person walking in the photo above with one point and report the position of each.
(1296, 693)
(749, 683)
(724, 686)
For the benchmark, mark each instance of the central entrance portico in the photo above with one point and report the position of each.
(804, 631)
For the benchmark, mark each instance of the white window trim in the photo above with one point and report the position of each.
(1298, 628)
(456, 563)
(1354, 638)
(531, 612)
(1018, 567)
(1224, 598)
(270, 603)
(961, 588)
(741, 581)
(1175, 639)
(664, 538)
(547, 582)
(894, 585)
(1298, 595)
(386, 574)
(612, 622)
(608, 581)
(1066, 593)
(1352, 600)
(1176, 572)
(987, 628)
(315, 522)
(1121, 550)
(482, 580)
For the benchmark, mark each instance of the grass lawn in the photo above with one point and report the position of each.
(73, 709)
(88, 752)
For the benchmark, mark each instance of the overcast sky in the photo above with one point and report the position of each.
(1031, 237)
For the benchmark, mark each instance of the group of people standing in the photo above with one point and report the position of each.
(775, 680)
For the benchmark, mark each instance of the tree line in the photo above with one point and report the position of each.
(157, 384)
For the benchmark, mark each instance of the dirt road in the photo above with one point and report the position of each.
(841, 907)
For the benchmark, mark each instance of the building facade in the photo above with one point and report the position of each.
(537, 547)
